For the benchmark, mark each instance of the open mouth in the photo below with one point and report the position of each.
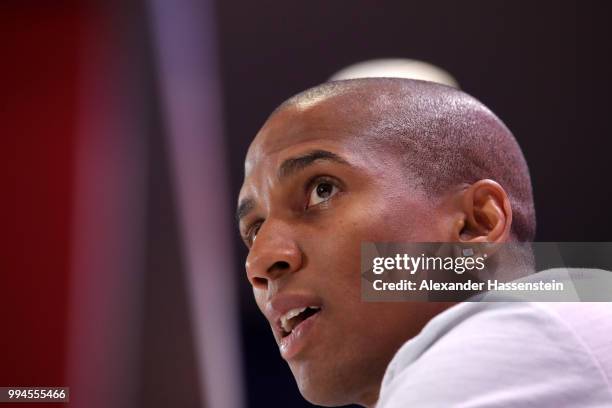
(294, 317)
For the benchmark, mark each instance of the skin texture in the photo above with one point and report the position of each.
(306, 243)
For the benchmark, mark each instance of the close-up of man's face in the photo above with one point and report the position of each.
(298, 204)
(316, 187)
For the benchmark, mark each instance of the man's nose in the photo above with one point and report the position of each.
(274, 254)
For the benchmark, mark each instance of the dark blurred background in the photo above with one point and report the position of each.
(124, 129)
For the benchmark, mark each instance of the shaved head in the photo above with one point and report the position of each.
(368, 160)
(443, 136)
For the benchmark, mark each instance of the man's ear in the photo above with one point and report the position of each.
(486, 214)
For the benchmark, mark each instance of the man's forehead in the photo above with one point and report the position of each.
(296, 127)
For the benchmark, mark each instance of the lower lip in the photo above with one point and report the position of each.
(292, 344)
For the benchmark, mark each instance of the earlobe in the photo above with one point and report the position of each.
(486, 214)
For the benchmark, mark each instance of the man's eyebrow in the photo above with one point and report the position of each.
(288, 167)
(245, 207)
(297, 163)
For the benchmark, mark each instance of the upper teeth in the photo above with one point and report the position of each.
(284, 320)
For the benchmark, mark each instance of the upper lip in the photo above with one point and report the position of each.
(280, 304)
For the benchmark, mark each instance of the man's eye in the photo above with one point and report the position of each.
(321, 192)
(252, 234)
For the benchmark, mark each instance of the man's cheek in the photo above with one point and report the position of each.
(342, 261)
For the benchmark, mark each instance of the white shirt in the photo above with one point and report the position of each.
(506, 354)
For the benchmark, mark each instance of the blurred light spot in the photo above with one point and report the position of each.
(396, 68)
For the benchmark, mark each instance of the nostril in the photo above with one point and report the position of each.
(279, 266)
(260, 283)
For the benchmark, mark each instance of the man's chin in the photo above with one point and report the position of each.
(320, 397)
(320, 387)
